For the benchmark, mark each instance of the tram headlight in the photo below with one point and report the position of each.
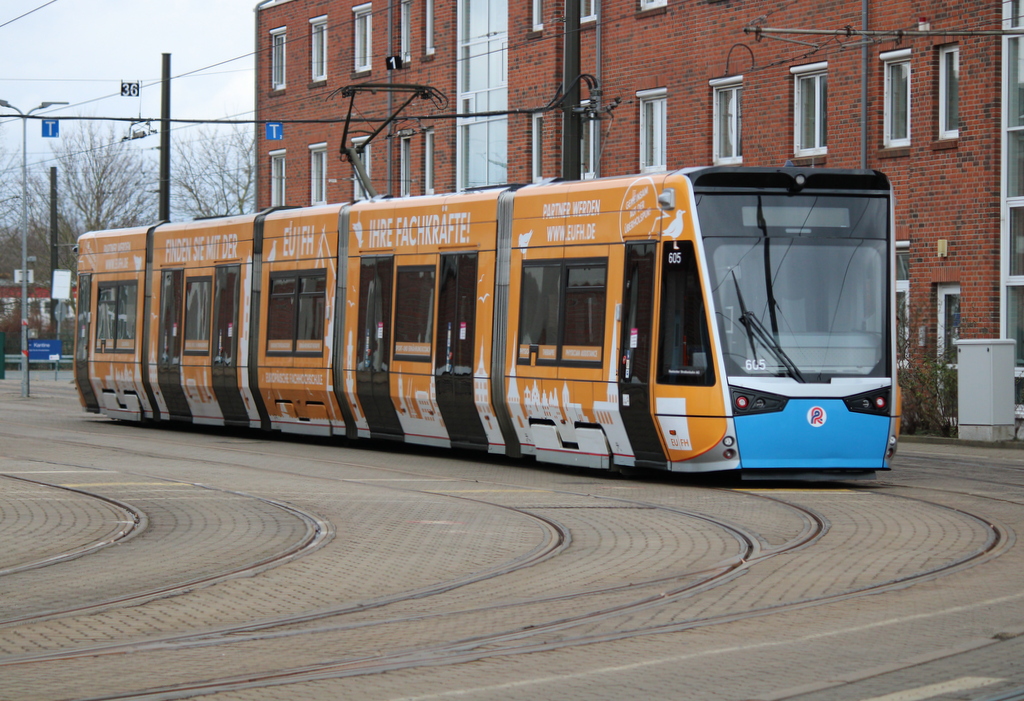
(728, 441)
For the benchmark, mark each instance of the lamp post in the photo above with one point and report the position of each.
(24, 234)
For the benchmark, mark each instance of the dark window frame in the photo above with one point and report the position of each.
(206, 280)
(297, 297)
(117, 338)
(695, 318)
(563, 265)
(398, 324)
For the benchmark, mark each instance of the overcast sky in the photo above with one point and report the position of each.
(79, 51)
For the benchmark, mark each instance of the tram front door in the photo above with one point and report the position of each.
(83, 341)
(373, 381)
(225, 340)
(637, 349)
(454, 361)
(168, 367)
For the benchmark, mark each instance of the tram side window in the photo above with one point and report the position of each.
(197, 316)
(414, 313)
(584, 313)
(684, 356)
(115, 316)
(297, 312)
(538, 312)
(309, 334)
(562, 312)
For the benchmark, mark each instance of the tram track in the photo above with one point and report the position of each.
(750, 553)
(525, 640)
(135, 522)
(318, 532)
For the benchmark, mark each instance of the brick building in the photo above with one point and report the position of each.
(676, 83)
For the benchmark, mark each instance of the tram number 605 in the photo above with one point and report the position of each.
(753, 365)
(675, 257)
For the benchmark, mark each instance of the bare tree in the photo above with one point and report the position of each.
(10, 212)
(214, 173)
(103, 183)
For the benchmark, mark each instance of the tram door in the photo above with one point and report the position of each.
(637, 348)
(225, 346)
(373, 383)
(84, 339)
(454, 361)
(169, 348)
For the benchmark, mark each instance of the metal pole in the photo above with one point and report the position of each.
(165, 141)
(24, 254)
(54, 258)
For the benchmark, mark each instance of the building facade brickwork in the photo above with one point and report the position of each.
(659, 76)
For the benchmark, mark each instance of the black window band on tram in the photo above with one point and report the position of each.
(115, 316)
(562, 312)
(684, 354)
(295, 313)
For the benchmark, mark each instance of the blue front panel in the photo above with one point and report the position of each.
(812, 434)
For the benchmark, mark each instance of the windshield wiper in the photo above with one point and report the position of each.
(756, 330)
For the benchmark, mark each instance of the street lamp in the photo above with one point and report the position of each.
(24, 234)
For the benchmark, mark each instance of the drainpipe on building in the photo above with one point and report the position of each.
(571, 92)
(256, 88)
(864, 87)
(598, 57)
(391, 79)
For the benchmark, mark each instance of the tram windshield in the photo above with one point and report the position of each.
(800, 283)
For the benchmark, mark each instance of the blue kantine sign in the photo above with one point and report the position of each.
(44, 349)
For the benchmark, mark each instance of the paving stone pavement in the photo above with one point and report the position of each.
(450, 577)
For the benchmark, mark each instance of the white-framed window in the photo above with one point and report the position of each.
(277, 178)
(428, 162)
(537, 147)
(482, 145)
(588, 145)
(1014, 277)
(318, 48)
(903, 292)
(897, 98)
(318, 173)
(653, 132)
(949, 92)
(278, 39)
(650, 4)
(428, 27)
(538, 15)
(405, 166)
(1012, 248)
(358, 193)
(588, 10)
(948, 329)
(362, 48)
(727, 120)
(406, 30)
(810, 109)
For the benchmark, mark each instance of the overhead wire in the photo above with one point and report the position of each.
(26, 14)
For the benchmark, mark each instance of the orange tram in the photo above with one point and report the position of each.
(702, 320)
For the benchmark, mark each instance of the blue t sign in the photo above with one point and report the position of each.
(51, 128)
(275, 131)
